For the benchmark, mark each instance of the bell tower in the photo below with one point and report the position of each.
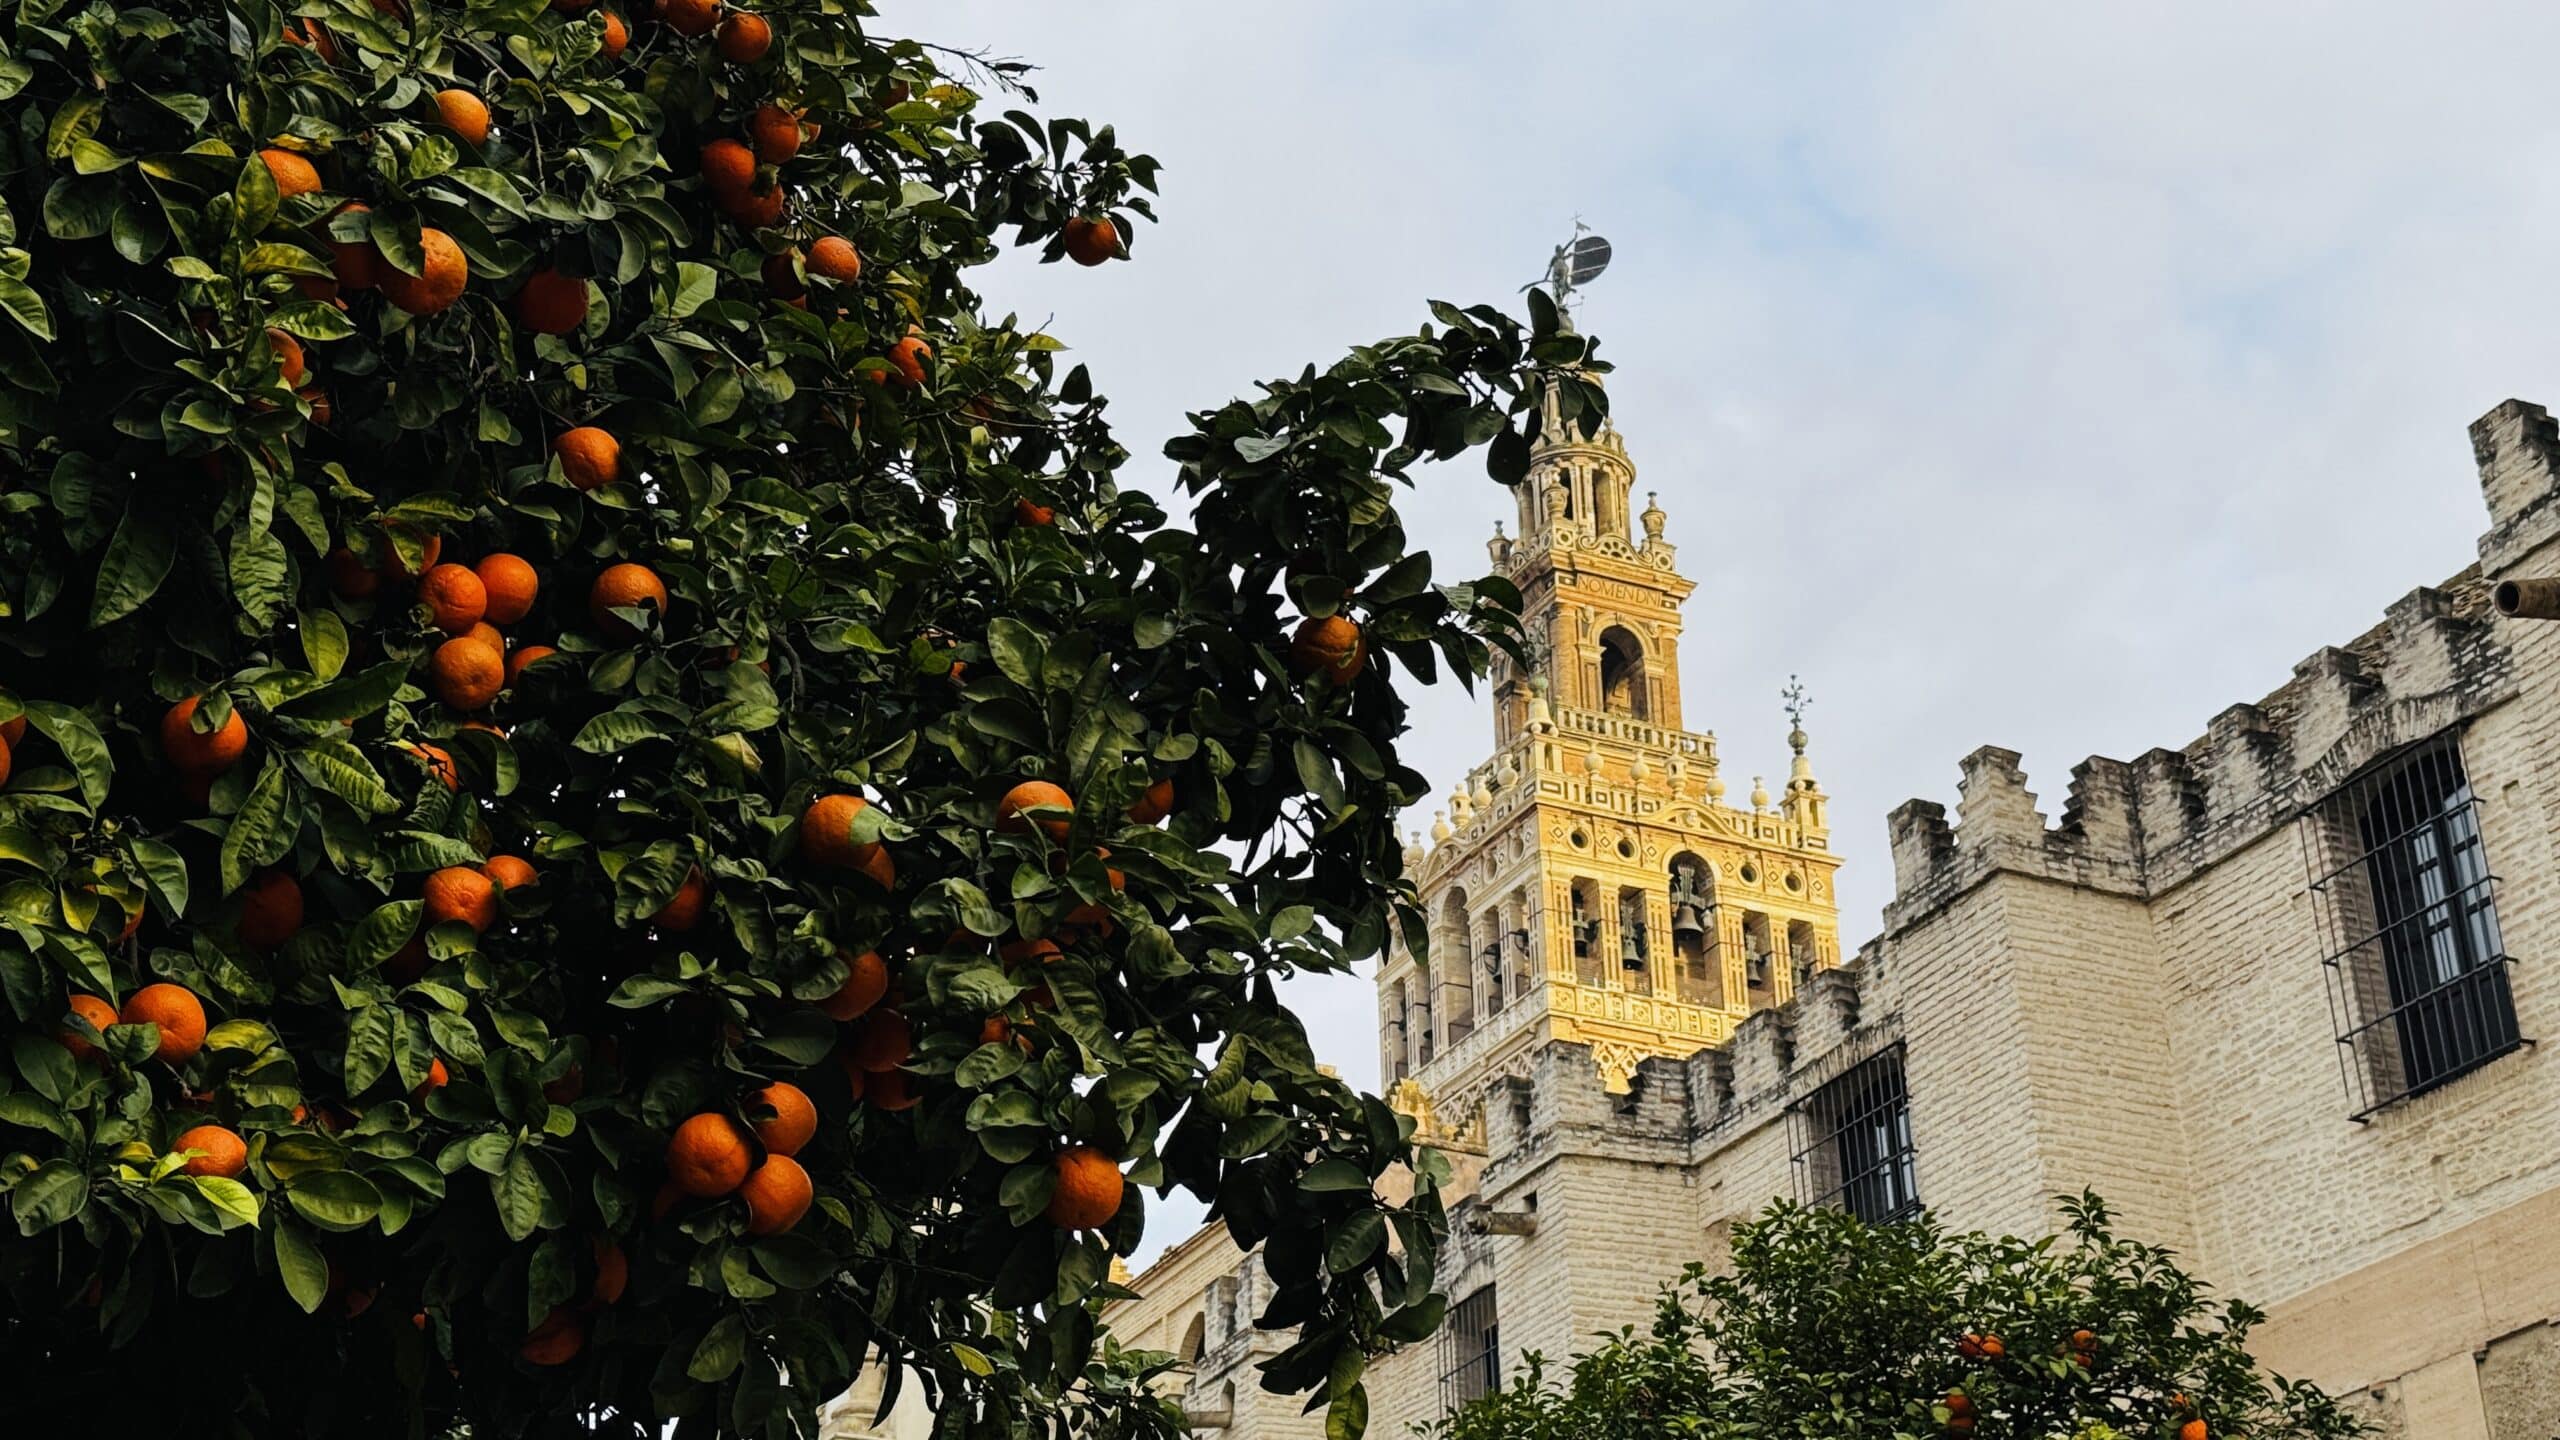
(1590, 882)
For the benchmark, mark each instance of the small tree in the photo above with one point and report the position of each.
(1828, 1327)
(609, 810)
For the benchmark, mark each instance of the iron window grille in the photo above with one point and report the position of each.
(1853, 1143)
(1470, 1351)
(2418, 973)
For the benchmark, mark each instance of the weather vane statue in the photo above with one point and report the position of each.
(1797, 701)
(1576, 263)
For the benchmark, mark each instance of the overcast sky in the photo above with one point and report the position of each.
(2015, 373)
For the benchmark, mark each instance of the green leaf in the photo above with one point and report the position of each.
(233, 1200)
(304, 1268)
(615, 731)
(26, 307)
(351, 698)
(79, 741)
(53, 1193)
(165, 870)
(717, 1357)
(369, 1039)
(259, 834)
(1353, 1239)
(517, 1189)
(1017, 650)
(338, 1200)
(1329, 1175)
(137, 560)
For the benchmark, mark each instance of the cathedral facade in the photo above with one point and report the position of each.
(2273, 993)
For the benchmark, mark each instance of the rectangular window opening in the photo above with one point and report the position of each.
(2417, 967)
(1853, 1143)
(1470, 1351)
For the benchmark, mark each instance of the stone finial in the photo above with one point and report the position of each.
(1591, 760)
(1482, 796)
(1652, 518)
(1440, 827)
(2517, 447)
(1555, 502)
(1922, 844)
(1759, 794)
(1413, 847)
(1714, 784)
(1499, 547)
(1992, 801)
(1639, 771)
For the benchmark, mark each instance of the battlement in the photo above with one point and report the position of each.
(2438, 656)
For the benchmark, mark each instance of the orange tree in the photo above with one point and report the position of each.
(609, 811)
(1824, 1326)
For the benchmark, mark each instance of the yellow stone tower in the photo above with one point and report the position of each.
(1589, 883)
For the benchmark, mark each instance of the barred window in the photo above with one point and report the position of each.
(2407, 906)
(1853, 1143)
(1470, 1351)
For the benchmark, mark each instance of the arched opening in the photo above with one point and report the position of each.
(1590, 961)
(1693, 930)
(1400, 1026)
(1194, 1340)
(1622, 690)
(1455, 963)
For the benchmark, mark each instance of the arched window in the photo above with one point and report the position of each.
(1455, 962)
(1622, 674)
(1693, 930)
(1195, 1340)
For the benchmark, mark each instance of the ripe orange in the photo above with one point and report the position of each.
(98, 1013)
(777, 133)
(1025, 952)
(625, 587)
(270, 910)
(468, 673)
(175, 1009)
(524, 657)
(1089, 1189)
(356, 263)
(455, 596)
(795, 1119)
(1090, 242)
(1026, 511)
(511, 583)
(288, 353)
(318, 399)
(13, 733)
(510, 872)
(1030, 793)
(835, 258)
(408, 962)
(777, 1195)
(617, 36)
(487, 634)
(1330, 646)
(873, 864)
(890, 1090)
(437, 1079)
(294, 175)
(349, 577)
(200, 753)
(556, 1341)
(744, 38)
(2194, 1430)
(465, 114)
(442, 273)
(224, 1155)
(866, 980)
(5, 763)
(708, 1155)
(882, 1040)
(826, 832)
(690, 17)
(728, 167)
(683, 910)
(552, 303)
(782, 277)
(613, 1273)
(590, 458)
(458, 892)
(909, 356)
(1153, 803)
(438, 761)
(754, 209)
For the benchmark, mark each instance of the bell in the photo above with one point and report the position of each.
(1688, 922)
